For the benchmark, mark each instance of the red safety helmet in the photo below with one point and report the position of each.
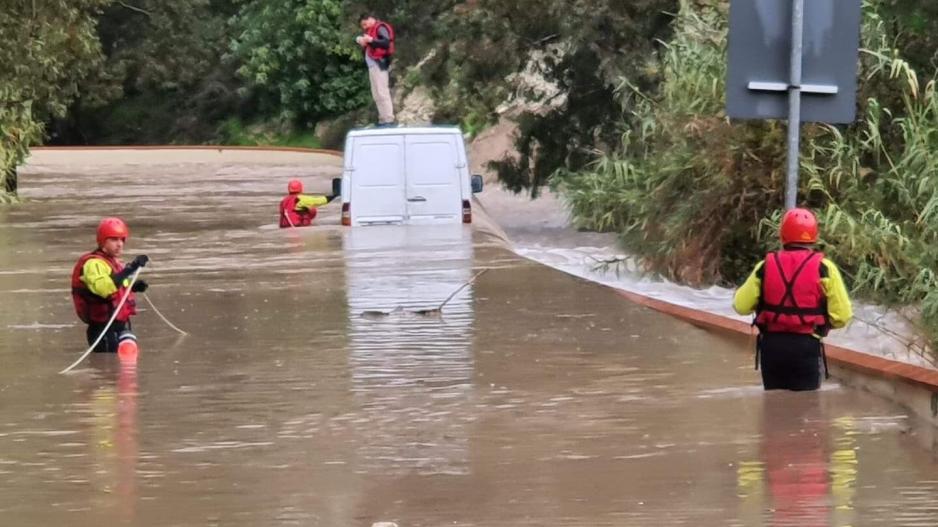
(112, 228)
(799, 226)
(295, 186)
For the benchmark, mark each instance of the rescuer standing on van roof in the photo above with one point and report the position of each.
(797, 295)
(378, 45)
(298, 210)
(99, 282)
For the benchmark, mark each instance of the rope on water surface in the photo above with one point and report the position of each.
(454, 293)
(168, 323)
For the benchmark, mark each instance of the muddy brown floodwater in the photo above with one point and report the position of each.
(536, 399)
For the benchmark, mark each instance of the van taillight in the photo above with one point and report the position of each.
(466, 211)
(347, 214)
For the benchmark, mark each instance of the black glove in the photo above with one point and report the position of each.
(129, 269)
(140, 286)
(140, 261)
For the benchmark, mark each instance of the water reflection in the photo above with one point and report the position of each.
(844, 465)
(411, 373)
(114, 446)
(808, 468)
(794, 444)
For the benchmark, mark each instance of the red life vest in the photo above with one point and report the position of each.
(90, 307)
(792, 300)
(380, 53)
(289, 217)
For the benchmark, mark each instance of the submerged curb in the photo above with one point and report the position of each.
(218, 148)
(912, 386)
(925, 377)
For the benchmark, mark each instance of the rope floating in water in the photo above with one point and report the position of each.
(168, 323)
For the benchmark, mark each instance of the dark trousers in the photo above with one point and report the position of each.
(108, 344)
(790, 361)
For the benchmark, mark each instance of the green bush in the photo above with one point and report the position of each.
(698, 198)
(233, 132)
(299, 58)
(48, 49)
(164, 80)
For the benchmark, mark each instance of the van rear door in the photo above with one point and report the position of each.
(377, 180)
(433, 193)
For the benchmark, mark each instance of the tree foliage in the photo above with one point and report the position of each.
(171, 67)
(593, 42)
(49, 47)
(300, 57)
(164, 79)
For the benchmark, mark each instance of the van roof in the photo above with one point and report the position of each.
(405, 130)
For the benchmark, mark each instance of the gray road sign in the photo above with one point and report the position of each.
(760, 48)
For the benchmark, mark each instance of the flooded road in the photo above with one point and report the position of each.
(535, 399)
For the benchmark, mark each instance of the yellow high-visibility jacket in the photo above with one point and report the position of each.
(96, 274)
(305, 202)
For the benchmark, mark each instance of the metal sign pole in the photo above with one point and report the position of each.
(794, 104)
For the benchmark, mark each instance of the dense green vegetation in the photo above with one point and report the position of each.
(163, 79)
(179, 71)
(587, 47)
(698, 197)
(234, 132)
(49, 47)
(307, 67)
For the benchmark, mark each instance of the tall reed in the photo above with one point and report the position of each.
(698, 198)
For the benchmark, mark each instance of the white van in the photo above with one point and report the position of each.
(407, 176)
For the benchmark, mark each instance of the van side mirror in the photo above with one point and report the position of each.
(476, 183)
(336, 186)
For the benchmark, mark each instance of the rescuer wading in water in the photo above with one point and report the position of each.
(99, 282)
(797, 296)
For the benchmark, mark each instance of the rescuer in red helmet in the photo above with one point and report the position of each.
(297, 209)
(99, 282)
(377, 41)
(797, 296)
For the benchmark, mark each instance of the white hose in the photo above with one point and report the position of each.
(109, 322)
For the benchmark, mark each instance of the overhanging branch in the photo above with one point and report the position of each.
(135, 8)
